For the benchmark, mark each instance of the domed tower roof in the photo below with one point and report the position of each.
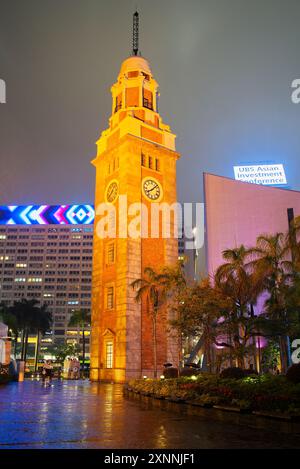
(135, 63)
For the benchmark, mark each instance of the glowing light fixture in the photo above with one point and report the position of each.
(47, 215)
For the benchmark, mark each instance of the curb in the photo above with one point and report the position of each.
(234, 415)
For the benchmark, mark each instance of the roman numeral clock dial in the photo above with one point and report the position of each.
(152, 189)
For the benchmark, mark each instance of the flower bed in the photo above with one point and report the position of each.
(256, 393)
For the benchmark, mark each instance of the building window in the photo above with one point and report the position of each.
(110, 297)
(110, 253)
(133, 74)
(118, 106)
(143, 159)
(150, 162)
(157, 165)
(109, 351)
(147, 103)
(118, 102)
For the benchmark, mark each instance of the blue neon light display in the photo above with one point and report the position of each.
(47, 215)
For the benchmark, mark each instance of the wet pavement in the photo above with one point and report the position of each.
(80, 414)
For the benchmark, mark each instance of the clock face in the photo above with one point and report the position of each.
(112, 191)
(152, 189)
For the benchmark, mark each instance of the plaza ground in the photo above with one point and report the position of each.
(80, 415)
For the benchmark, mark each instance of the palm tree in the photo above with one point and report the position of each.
(198, 311)
(81, 318)
(174, 278)
(237, 276)
(42, 324)
(273, 266)
(175, 285)
(153, 287)
(293, 243)
(24, 311)
(27, 317)
(293, 300)
(236, 280)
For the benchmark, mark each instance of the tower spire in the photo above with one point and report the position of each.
(135, 35)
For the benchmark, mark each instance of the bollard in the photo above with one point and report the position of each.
(21, 368)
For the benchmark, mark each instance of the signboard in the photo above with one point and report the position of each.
(46, 214)
(265, 174)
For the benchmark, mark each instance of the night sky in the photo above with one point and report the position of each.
(224, 68)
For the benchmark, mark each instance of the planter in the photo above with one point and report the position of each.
(233, 415)
(175, 399)
(277, 415)
(199, 404)
(232, 409)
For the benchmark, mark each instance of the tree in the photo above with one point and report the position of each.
(24, 312)
(61, 352)
(174, 284)
(26, 317)
(292, 242)
(152, 287)
(198, 313)
(273, 265)
(81, 318)
(174, 280)
(293, 299)
(235, 278)
(270, 356)
(292, 305)
(41, 324)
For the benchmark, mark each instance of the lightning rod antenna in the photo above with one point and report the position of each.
(135, 36)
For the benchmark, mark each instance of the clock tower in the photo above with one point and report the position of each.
(135, 169)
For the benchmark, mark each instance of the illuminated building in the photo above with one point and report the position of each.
(46, 254)
(238, 212)
(136, 157)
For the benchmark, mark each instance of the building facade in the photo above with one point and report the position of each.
(135, 164)
(238, 212)
(46, 254)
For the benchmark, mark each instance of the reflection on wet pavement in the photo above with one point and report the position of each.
(80, 414)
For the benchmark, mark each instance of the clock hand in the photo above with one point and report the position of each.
(110, 193)
(154, 187)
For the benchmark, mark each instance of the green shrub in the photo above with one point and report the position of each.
(207, 400)
(293, 373)
(242, 404)
(171, 372)
(233, 373)
(263, 392)
(249, 372)
(188, 371)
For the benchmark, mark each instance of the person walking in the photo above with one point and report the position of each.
(47, 373)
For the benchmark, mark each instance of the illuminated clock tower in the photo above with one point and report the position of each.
(135, 164)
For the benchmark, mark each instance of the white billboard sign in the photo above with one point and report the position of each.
(265, 174)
